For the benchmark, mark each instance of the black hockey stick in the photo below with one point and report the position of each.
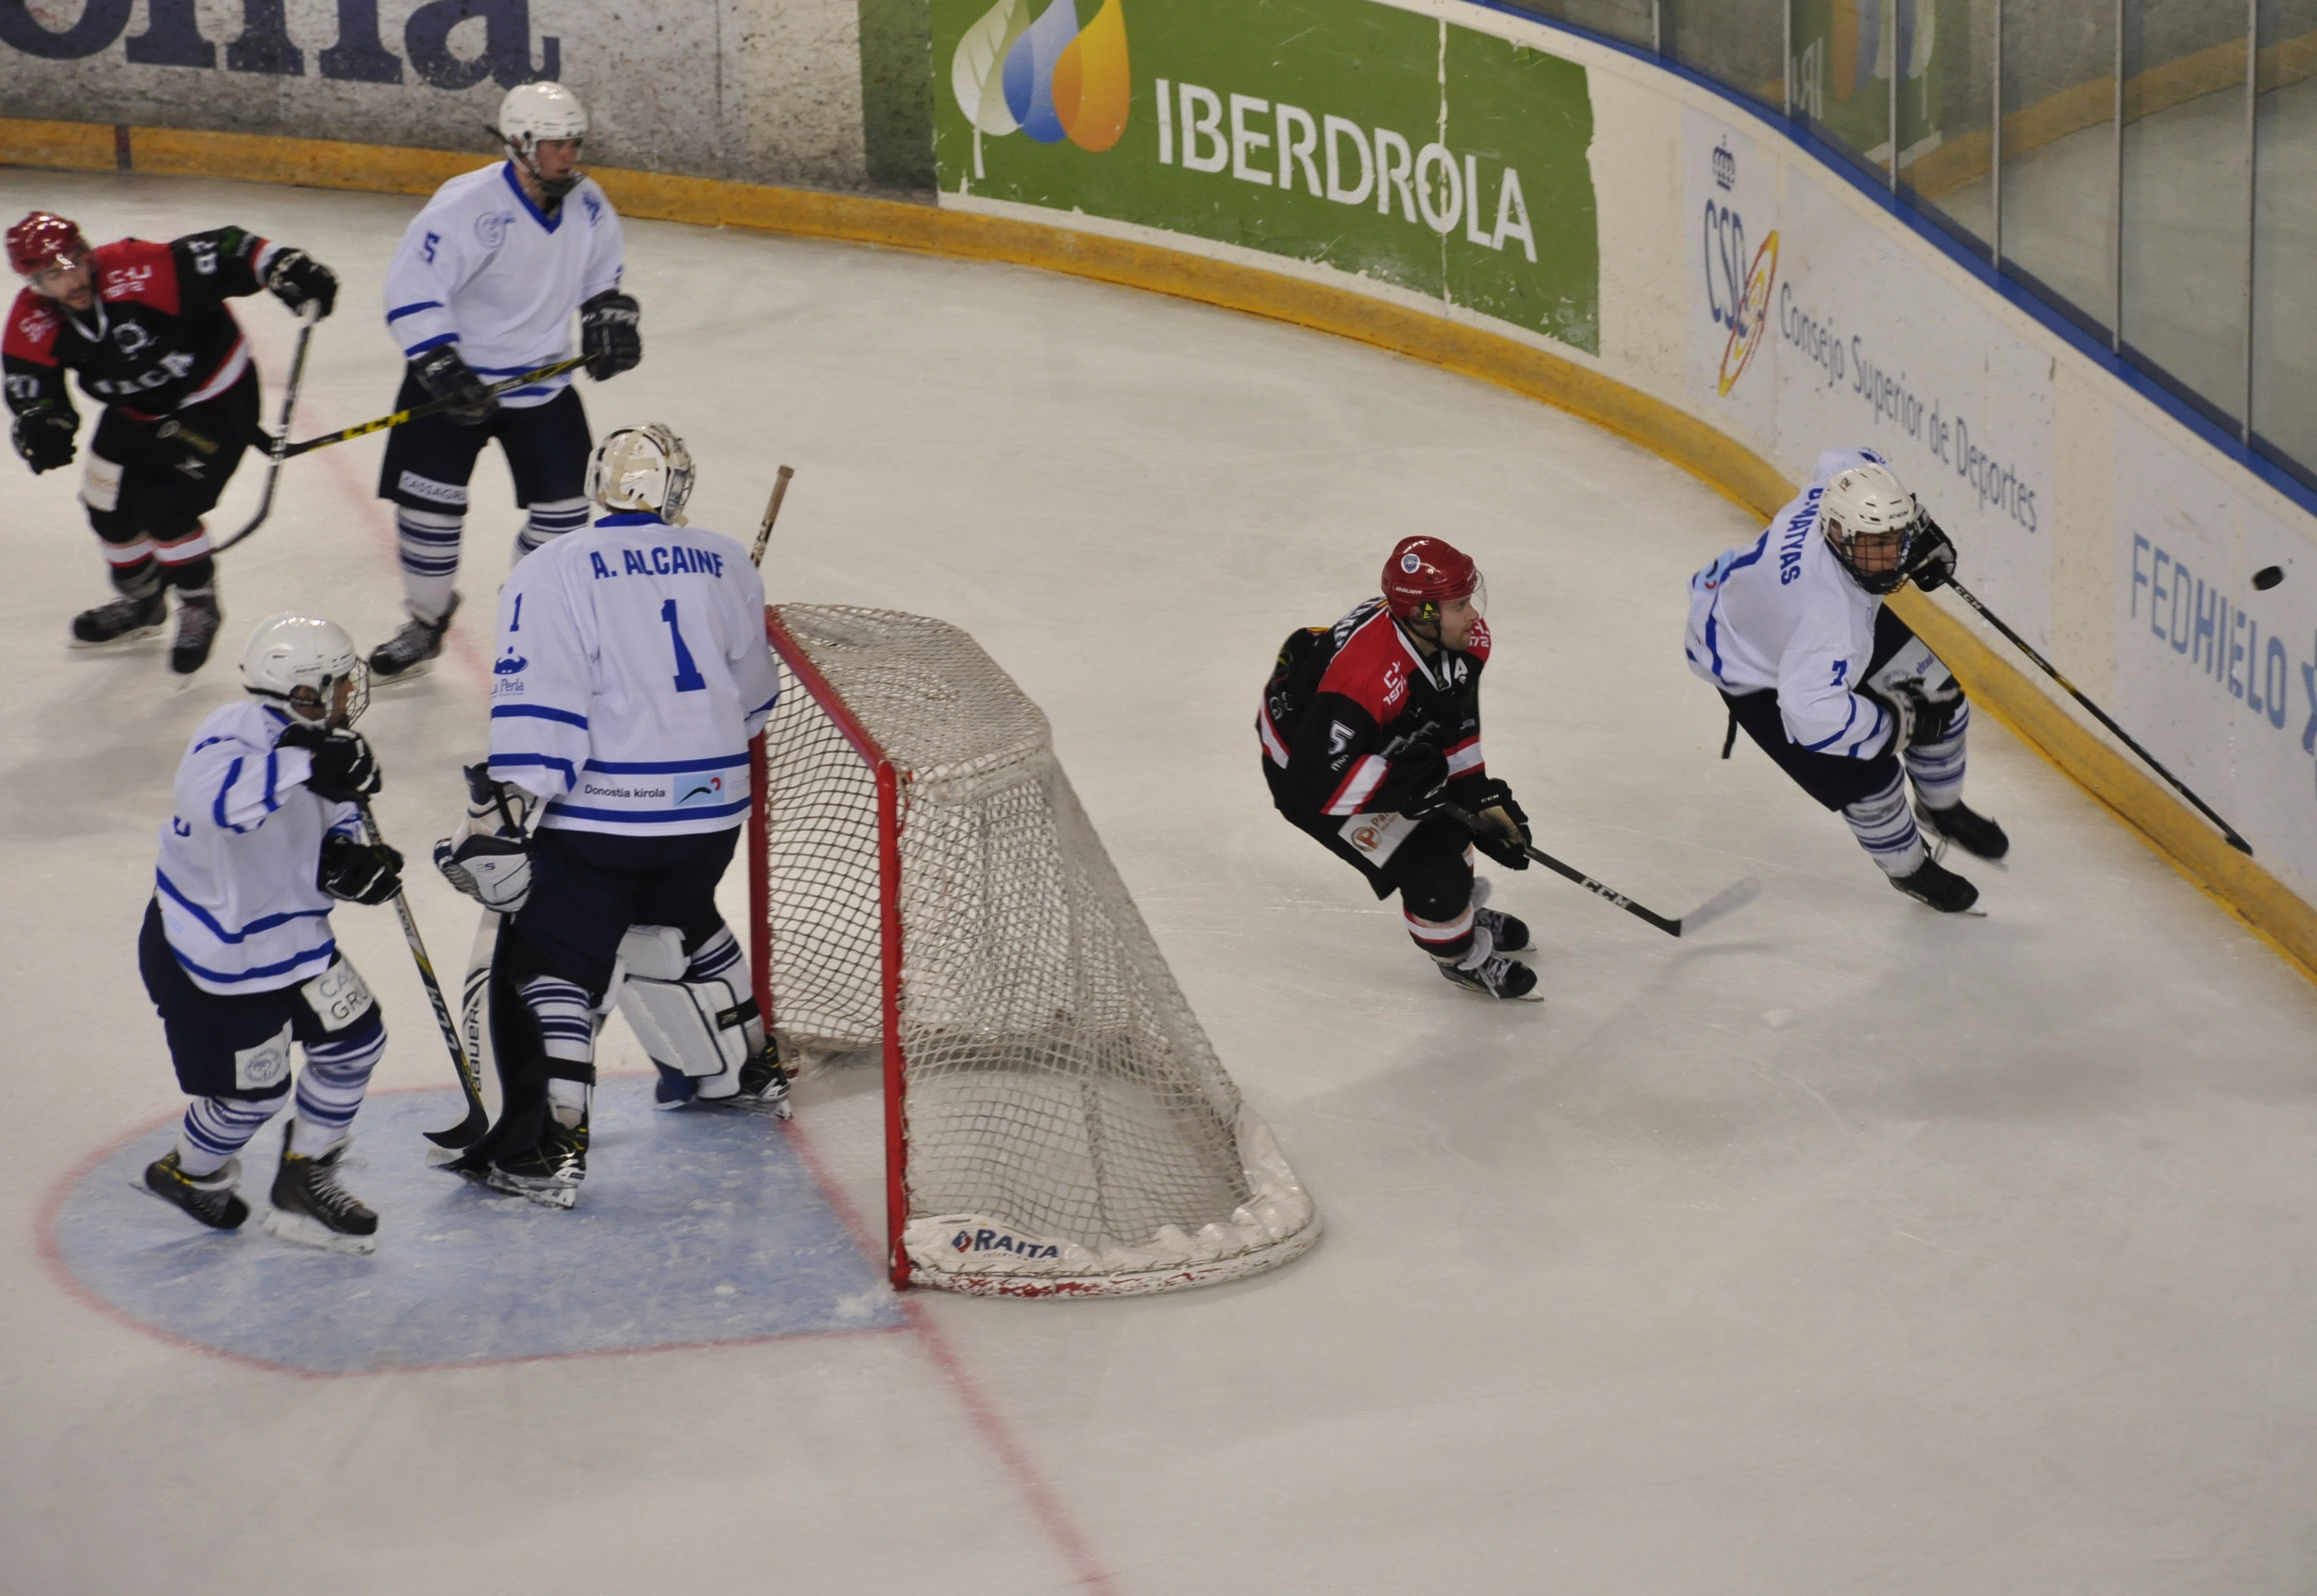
(1728, 901)
(431, 408)
(2228, 832)
(479, 1120)
(277, 446)
(772, 513)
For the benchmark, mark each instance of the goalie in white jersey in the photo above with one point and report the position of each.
(237, 952)
(1834, 687)
(632, 671)
(484, 289)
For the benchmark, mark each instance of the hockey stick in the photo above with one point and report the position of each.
(431, 408)
(2228, 832)
(772, 513)
(479, 1120)
(1728, 901)
(277, 446)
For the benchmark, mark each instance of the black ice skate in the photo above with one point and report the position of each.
(763, 1087)
(1968, 829)
(197, 629)
(312, 1209)
(548, 1174)
(210, 1198)
(1490, 973)
(123, 620)
(1506, 934)
(411, 651)
(1939, 887)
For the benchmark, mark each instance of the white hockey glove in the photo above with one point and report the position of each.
(488, 857)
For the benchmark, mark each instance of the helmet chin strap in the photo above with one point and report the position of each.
(554, 188)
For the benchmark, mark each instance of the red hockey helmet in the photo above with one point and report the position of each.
(44, 239)
(1424, 573)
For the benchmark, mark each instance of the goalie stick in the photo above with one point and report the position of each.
(479, 1120)
(772, 513)
(431, 408)
(1728, 901)
(277, 446)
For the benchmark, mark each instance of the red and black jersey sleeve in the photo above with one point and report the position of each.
(223, 263)
(28, 354)
(1348, 755)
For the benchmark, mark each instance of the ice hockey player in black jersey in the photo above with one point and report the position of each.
(146, 326)
(1370, 725)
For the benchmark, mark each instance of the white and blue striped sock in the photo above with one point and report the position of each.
(217, 1128)
(552, 519)
(1937, 768)
(330, 1088)
(428, 541)
(567, 1023)
(718, 959)
(1885, 829)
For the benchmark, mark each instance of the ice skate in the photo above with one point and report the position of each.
(1491, 974)
(123, 620)
(197, 630)
(210, 1198)
(763, 1088)
(1506, 933)
(1964, 827)
(548, 1174)
(312, 1209)
(413, 650)
(1941, 888)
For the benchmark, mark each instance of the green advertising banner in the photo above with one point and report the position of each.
(1348, 133)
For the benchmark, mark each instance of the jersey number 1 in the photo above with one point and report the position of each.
(688, 678)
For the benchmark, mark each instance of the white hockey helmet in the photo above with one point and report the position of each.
(300, 660)
(643, 469)
(1871, 518)
(533, 112)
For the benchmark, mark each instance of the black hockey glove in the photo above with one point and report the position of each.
(44, 436)
(609, 335)
(358, 872)
(345, 769)
(1932, 560)
(1420, 775)
(1929, 720)
(445, 376)
(1503, 833)
(297, 279)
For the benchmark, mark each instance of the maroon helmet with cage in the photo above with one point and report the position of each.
(44, 239)
(1424, 573)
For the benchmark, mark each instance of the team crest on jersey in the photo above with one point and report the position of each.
(491, 228)
(702, 789)
(1395, 684)
(130, 338)
(511, 664)
(123, 282)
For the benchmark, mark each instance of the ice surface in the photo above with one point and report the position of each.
(1846, 1248)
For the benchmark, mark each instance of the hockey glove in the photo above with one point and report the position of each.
(358, 872)
(44, 435)
(488, 857)
(345, 769)
(1421, 775)
(1932, 560)
(609, 335)
(1503, 833)
(445, 376)
(297, 279)
(1899, 704)
(1929, 719)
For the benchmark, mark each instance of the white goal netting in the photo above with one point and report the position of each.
(1064, 1126)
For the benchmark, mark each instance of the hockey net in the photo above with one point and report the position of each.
(929, 893)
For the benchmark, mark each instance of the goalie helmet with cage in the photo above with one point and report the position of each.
(642, 469)
(300, 659)
(534, 114)
(1871, 520)
(1423, 573)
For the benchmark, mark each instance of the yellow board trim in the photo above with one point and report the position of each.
(2175, 832)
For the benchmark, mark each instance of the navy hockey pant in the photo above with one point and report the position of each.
(1432, 872)
(149, 482)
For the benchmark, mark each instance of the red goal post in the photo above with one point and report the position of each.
(926, 893)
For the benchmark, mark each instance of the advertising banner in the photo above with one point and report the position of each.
(2221, 675)
(662, 82)
(1355, 135)
(1809, 329)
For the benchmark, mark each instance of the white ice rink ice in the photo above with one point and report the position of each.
(1848, 1249)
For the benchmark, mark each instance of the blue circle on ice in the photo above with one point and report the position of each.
(693, 1227)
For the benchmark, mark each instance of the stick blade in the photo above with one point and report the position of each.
(467, 1131)
(1728, 900)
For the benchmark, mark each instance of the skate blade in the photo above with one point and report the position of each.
(306, 1230)
(547, 1194)
(741, 1103)
(139, 635)
(410, 674)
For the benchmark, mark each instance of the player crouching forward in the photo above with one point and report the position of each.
(237, 951)
(632, 671)
(1368, 726)
(1834, 687)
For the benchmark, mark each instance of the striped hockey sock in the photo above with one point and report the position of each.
(330, 1088)
(718, 959)
(429, 544)
(1937, 768)
(217, 1128)
(1885, 829)
(547, 520)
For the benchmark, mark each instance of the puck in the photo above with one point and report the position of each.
(2267, 576)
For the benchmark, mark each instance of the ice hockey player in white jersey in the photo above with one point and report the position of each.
(483, 289)
(631, 672)
(237, 952)
(1832, 685)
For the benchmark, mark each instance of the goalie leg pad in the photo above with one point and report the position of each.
(697, 1028)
